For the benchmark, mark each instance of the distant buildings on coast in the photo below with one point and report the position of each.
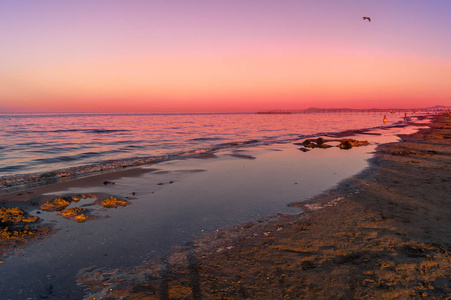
(431, 110)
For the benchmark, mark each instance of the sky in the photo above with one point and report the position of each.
(223, 56)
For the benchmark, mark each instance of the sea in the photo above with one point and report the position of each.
(42, 146)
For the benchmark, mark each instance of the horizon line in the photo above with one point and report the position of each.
(233, 112)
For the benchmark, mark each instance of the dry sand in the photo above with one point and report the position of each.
(384, 234)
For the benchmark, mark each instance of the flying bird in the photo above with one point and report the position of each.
(366, 18)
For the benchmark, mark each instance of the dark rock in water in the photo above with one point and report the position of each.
(308, 143)
(349, 143)
(304, 149)
(320, 141)
(324, 146)
(319, 144)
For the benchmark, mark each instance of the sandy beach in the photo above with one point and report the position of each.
(225, 150)
(382, 234)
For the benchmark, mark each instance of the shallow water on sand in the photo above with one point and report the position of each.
(174, 204)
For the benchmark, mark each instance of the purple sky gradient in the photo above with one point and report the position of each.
(41, 40)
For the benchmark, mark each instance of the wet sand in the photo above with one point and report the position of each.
(383, 234)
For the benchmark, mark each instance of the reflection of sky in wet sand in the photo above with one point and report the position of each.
(205, 195)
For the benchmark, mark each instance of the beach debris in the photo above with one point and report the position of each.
(113, 202)
(108, 182)
(161, 183)
(303, 149)
(349, 143)
(74, 213)
(56, 204)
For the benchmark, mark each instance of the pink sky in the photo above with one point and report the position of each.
(223, 56)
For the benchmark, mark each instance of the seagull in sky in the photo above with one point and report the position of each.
(366, 18)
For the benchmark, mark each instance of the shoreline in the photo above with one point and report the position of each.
(384, 233)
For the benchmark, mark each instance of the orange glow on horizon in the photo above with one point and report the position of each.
(232, 82)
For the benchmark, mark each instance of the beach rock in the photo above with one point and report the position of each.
(349, 143)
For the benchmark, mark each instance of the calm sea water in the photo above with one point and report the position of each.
(42, 143)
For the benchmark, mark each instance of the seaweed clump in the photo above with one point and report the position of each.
(12, 215)
(75, 213)
(113, 202)
(15, 228)
(57, 204)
